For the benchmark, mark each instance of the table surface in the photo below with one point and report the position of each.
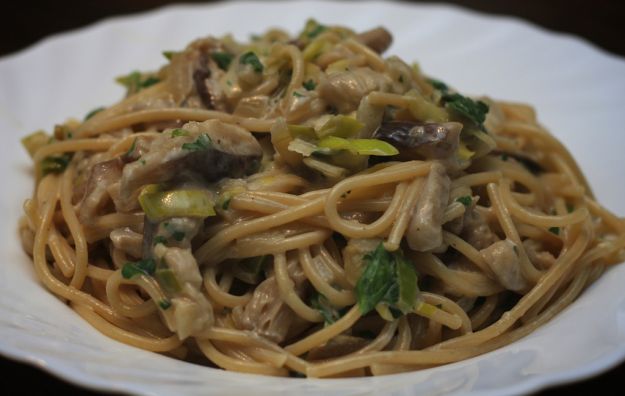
(599, 21)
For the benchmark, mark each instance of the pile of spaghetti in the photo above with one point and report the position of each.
(303, 206)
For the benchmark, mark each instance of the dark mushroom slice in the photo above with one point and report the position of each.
(378, 39)
(211, 149)
(200, 75)
(424, 140)
(102, 176)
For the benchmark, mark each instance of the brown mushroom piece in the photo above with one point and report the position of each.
(266, 313)
(423, 140)
(211, 149)
(344, 90)
(503, 259)
(378, 39)
(102, 176)
(425, 232)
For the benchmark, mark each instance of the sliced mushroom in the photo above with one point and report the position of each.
(503, 259)
(538, 255)
(423, 140)
(230, 152)
(476, 230)
(192, 75)
(266, 313)
(425, 232)
(378, 39)
(344, 90)
(103, 175)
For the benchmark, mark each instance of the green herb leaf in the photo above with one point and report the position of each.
(164, 304)
(55, 163)
(169, 54)
(223, 59)
(465, 200)
(310, 85)
(313, 29)
(148, 82)
(142, 267)
(437, 84)
(297, 94)
(160, 239)
(570, 207)
(387, 278)
(555, 230)
(321, 304)
(250, 58)
(178, 235)
(406, 278)
(203, 142)
(226, 203)
(179, 132)
(135, 81)
(93, 112)
(376, 279)
(475, 111)
(132, 148)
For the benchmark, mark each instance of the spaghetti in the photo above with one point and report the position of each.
(304, 206)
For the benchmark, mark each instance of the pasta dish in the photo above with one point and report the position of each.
(303, 206)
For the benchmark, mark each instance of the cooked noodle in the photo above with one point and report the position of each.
(304, 206)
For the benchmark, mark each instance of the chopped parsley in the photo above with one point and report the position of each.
(314, 29)
(441, 86)
(555, 230)
(223, 59)
(327, 311)
(297, 94)
(160, 239)
(93, 112)
(310, 85)
(164, 304)
(135, 81)
(465, 200)
(203, 142)
(132, 148)
(179, 132)
(250, 58)
(178, 235)
(169, 54)
(226, 203)
(55, 163)
(141, 267)
(472, 110)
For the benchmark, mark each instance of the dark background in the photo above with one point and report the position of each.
(601, 22)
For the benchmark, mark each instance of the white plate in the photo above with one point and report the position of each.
(577, 89)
